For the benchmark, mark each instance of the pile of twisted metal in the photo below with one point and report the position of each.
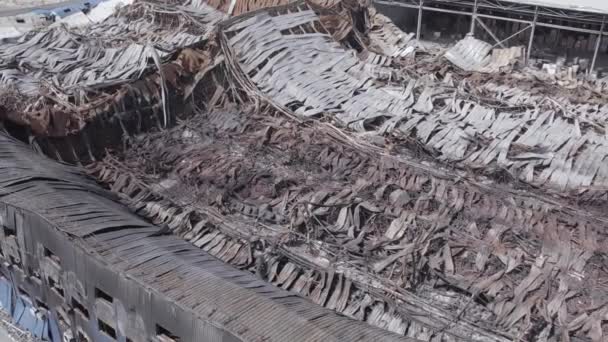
(445, 195)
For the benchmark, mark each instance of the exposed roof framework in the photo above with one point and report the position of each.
(579, 18)
(556, 14)
(591, 6)
(549, 7)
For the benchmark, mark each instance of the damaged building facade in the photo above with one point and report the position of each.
(303, 171)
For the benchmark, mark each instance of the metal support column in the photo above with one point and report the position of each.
(416, 6)
(532, 35)
(473, 19)
(513, 35)
(419, 28)
(598, 44)
(483, 25)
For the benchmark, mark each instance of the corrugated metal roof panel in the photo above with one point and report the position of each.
(472, 54)
(594, 6)
(229, 302)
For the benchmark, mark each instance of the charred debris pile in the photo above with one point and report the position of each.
(315, 144)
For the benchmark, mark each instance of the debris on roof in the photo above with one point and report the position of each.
(75, 74)
(386, 38)
(149, 277)
(472, 54)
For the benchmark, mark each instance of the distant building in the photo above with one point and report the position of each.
(16, 25)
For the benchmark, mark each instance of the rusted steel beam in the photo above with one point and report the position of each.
(514, 34)
(419, 26)
(531, 42)
(485, 27)
(473, 18)
(598, 44)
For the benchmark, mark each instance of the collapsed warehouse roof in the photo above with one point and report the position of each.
(69, 76)
(324, 153)
(62, 230)
(539, 141)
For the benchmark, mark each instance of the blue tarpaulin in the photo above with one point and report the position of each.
(40, 323)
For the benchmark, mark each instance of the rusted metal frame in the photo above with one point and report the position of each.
(419, 26)
(598, 44)
(513, 35)
(528, 53)
(485, 27)
(473, 18)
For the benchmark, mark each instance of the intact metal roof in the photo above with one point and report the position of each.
(594, 6)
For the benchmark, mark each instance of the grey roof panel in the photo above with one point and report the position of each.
(594, 6)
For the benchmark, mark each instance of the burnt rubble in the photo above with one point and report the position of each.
(318, 146)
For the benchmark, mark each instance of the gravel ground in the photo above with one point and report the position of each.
(8, 329)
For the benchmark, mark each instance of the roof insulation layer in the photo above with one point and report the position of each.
(593, 6)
